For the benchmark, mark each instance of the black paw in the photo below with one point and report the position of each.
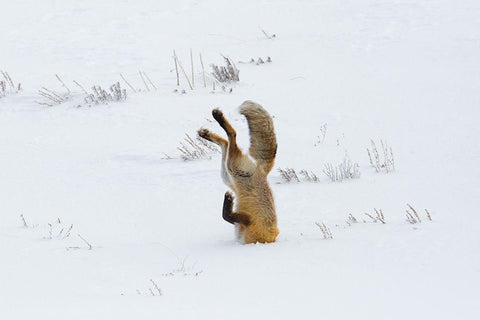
(228, 197)
(218, 115)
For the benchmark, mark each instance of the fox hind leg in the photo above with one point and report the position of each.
(237, 164)
(223, 144)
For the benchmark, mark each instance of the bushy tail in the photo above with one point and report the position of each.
(263, 143)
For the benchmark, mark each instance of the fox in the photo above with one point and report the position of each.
(254, 216)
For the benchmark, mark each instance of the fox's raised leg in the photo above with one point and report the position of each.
(215, 138)
(237, 163)
(233, 217)
(218, 115)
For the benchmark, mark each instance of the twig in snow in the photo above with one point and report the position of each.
(176, 67)
(428, 215)
(67, 233)
(25, 225)
(148, 78)
(191, 63)
(63, 84)
(88, 244)
(146, 86)
(203, 72)
(327, 234)
(156, 287)
(415, 213)
(81, 87)
(121, 75)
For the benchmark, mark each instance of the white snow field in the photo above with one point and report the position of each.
(403, 71)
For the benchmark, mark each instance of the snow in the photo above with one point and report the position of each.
(403, 71)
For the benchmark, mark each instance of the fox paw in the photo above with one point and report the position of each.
(217, 115)
(228, 197)
(204, 133)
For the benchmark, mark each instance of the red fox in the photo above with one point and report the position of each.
(254, 216)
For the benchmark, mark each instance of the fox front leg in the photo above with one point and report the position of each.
(229, 215)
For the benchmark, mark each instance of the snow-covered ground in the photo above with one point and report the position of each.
(404, 71)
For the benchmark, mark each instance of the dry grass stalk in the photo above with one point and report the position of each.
(267, 35)
(176, 67)
(67, 234)
(128, 84)
(83, 89)
(385, 164)
(52, 97)
(309, 176)
(380, 215)
(203, 72)
(288, 175)
(414, 212)
(227, 73)
(344, 170)
(7, 85)
(196, 149)
(156, 287)
(327, 234)
(413, 217)
(88, 244)
(351, 218)
(150, 81)
(428, 215)
(323, 133)
(193, 73)
(63, 84)
(185, 74)
(410, 218)
(25, 225)
(144, 82)
(370, 216)
(101, 96)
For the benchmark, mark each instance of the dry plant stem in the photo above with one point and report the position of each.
(144, 82)
(8, 79)
(410, 218)
(203, 72)
(380, 215)
(67, 234)
(191, 63)
(148, 78)
(88, 244)
(352, 218)
(25, 225)
(156, 287)
(63, 84)
(414, 212)
(266, 35)
(428, 215)
(176, 67)
(53, 93)
(151, 292)
(81, 87)
(185, 74)
(121, 75)
(327, 234)
(50, 96)
(44, 103)
(371, 217)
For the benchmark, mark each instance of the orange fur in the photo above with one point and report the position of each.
(254, 215)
